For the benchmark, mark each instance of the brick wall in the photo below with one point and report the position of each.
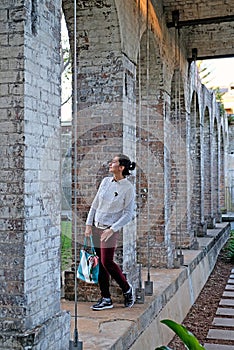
(30, 177)
(12, 173)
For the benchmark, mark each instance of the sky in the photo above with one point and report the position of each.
(222, 71)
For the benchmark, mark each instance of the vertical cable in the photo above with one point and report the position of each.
(148, 135)
(176, 139)
(180, 136)
(75, 344)
(195, 160)
(148, 283)
(140, 295)
(75, 169)
(140, 136)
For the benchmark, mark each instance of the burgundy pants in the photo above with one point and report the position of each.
(107, 267)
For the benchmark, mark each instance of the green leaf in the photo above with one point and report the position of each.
(187, 337)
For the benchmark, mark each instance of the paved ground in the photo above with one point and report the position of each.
(117, 327)
(221, 334)
(101, 330)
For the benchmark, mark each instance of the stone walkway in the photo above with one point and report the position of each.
(221, 334)
(174, 292)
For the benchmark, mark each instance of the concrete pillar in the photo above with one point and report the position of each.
(30, 314)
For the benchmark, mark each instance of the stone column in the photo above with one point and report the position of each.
(30, 314)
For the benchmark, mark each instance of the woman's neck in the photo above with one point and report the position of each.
(118, 177)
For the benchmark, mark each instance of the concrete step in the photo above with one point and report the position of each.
(223, 334)
(223, 322)
(219, 334)
(217, 347)
(228, 294)
(223, 311)
(229, 287)
(226, 302)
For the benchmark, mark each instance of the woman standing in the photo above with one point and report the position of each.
(111, 209)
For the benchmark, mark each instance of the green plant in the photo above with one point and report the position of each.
(219, 98)
(229, 248)
(230, 118)
(66, 244)
(189, 340)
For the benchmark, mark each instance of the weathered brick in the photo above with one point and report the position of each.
(30, 179)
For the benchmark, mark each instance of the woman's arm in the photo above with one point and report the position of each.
(90, 217)
(88, 230)
(94, 205)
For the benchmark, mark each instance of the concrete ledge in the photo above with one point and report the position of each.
(175, 291)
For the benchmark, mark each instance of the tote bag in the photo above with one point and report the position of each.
(88, 268)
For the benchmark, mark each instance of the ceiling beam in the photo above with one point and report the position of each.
(201, 21)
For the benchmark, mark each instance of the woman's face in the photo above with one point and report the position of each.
(114, 166)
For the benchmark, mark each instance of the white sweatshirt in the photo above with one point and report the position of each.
(113, 204)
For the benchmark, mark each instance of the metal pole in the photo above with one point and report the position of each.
(140, 292)
(148, 283)
(75, 344)
(176, 259)
(180, 256)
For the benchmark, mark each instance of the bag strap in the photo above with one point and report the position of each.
(91, 243)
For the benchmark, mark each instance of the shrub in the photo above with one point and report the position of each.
(229, 248)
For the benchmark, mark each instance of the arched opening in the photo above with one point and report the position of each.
(215, 171)
(66, 150)
(179, 163)
(207, 170)
(150, 154)
(195, 156)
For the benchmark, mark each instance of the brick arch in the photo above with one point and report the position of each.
(149, 84)
(155, 81)
(180, 229)
(207, 169)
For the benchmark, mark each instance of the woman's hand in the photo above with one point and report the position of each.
(88, 231)
(106, 234)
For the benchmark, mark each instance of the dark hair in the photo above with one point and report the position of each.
(126, 162)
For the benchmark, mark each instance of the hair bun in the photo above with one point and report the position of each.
(132, 166)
